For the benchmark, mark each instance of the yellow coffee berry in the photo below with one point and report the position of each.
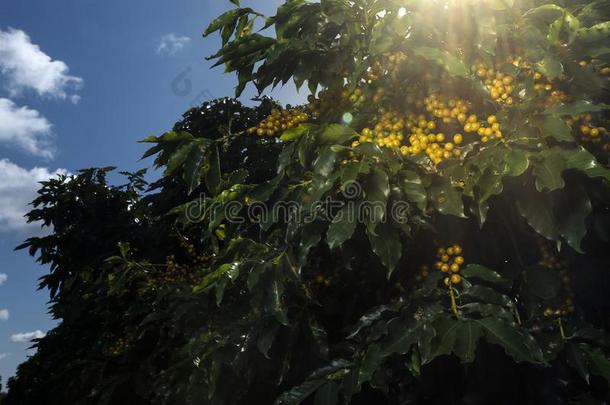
(456, 279)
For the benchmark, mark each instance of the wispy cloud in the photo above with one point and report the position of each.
(18, 187)
(27, 336)
(4, 315)
(171, 44)
(3, 278)
(25, 128)
(26, 67)
(4, 355)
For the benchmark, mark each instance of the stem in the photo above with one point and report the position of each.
(453, 303)
(561, 331)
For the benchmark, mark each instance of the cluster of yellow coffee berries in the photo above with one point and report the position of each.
(356, 98)
(596, 65)
(424, 272)
(329, 102)
(450, 260)
(453, 109)
(487, 130)
(191, 251)
(118, 347)
(551, 261)
(500, 86)
(588, 131)
(388, 64)
(565, 307)
(322, 281)
(433, 146)
(388, 131)
(557, 97)
(279, 120)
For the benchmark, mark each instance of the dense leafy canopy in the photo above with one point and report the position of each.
(469, 137)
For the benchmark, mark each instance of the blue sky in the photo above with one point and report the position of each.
(81, 81)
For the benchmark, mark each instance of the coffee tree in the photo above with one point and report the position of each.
(431, 227)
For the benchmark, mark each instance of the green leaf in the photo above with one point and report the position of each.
(194, 164)
(487, 295)
(264, 191)
(549, 170)
(213, 174)
(537, 209)
(178, 157)
(342, 227)
(328, 394)
(572, 209)
(600, 363)
(467, 336)
(555, 127)
(459, 337)
(336, 134)
(451, 63)
(576, 357)
(550, 67)
(476, 271)
(576, 108)
(582, 160)
(446, 198)
(517, 162)
(325, 162)
(377, 191)
(598, 32)
(521, 346)
(225, 19)
(413, 189)
(295, 132)
(298, 394)
(387, 245)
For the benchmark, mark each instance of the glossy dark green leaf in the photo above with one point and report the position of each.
(548, 171)
(521, 346)
(295, 132)
(325, 161)
(213, 174)
(387, 245)
(478, 272)
(577, 358)
(342, 227)
(537, 209)
(300, 393)
(328, 394)
(446, 198)
(554, 126)
(336, 134)
(576, 108)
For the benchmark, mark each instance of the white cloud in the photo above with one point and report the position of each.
(4, 355)
(3, 278)
(4, 315)
(18, 187)
(171, 44)
(27, 336)
(25, 128)
(26, 66)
